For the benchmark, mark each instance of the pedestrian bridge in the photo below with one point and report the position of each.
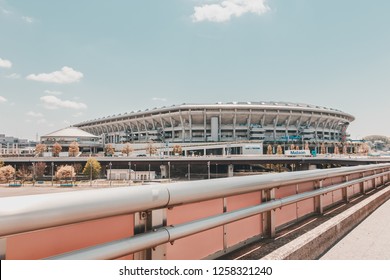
(186, 220)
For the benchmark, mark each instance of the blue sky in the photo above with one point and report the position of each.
(63, 62)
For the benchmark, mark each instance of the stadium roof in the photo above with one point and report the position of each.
(70, 132)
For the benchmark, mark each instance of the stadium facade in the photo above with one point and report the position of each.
(267, 122)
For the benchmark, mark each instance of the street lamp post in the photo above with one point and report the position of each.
(189, 172)
(33, 165)
(90, 173)
(135, 171)
(149, 173)
(208, 170)
(52, 173)
(169, 170)
(110, 164)
(15, 175)
(129, 171)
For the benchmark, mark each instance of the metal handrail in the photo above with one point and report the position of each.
(25, 213)
(167, 234)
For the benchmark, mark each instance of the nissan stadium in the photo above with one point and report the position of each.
(192, 124)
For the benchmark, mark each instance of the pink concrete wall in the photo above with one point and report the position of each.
(242, 230)
(197, 246)
(287, 214)
(49, 242)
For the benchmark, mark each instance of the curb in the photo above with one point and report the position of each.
(314, 243)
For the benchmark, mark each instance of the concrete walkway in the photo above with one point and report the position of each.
(370, 240)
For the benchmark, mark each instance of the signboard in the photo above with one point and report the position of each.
(297, 153)
(252, 149)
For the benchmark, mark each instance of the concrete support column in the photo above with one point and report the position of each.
(164, 171)
(230, 170)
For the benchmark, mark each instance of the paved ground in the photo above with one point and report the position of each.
(370, 240)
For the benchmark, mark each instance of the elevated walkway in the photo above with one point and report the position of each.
(370, 240)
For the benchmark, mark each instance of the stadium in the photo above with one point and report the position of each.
(234, 122)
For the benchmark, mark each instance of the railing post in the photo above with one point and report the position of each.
(140, 226)
(225, 245)
(363, 185)
(157, 219)
(345, 191)
(269, 227)
(3, 248)
(318, 204)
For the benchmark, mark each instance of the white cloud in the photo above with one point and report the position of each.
(53, 92)
(65, 76)
(79, 114)
(6, 12)
(5, 63)
(53, 102)
(13, 76)
(28, 19)
(159, 99)
(226, 9)
(2, 99)
(34, 114)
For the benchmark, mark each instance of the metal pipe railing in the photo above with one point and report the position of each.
(25, 213)
(163, 235)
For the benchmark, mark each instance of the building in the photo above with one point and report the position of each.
(10, 145)
(268, 122)
(88, 143)
(123, 175)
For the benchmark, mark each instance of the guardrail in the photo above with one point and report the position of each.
(174, 220)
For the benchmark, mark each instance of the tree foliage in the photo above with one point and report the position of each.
(24, 173)
(40, 168)
(40, 149)
(151, 149)
(374, 138)
(92, 167)
(65, 172)
(177, 149)
(269, 150)
(7, 173)
(57, 148)
(279, 150)
(74, 149)
(110, 150)
(127, 149)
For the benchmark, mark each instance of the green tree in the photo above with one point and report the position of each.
(92, 167)
(1, 163)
